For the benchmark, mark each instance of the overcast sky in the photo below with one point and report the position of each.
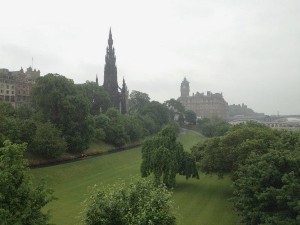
(248, 50)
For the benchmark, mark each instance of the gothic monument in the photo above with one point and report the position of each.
(118, 96)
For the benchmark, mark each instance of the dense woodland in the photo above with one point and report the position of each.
(67, 117)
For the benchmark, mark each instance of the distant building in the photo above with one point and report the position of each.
(205, 106)
(15, 86)
(118, 96)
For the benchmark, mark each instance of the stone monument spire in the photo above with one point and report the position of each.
(110, 83)
(124, 97)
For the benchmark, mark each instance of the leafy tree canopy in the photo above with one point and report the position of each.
(20, 201)
(158, 112)
(98, 97)
(141, 203)
(138, 100)
(60, 102)
(190, 117)
(267, 190)
(224, 154)
(212, 127)
(175, 105)
(48, 141)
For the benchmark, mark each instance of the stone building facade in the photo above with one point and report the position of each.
(15, 86)
(118, 96)
(205, 106)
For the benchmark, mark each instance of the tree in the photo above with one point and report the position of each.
(226, 153)
(190, 117)
(20, 201)
(141, 203)
(60, 102)
(6, 109)
(175, 105)
(158, 112)
(213, 127)
(176, 108)
(137, 101)
(133, 127)
(115, 130)
(267, 190)
(48, 141)
(98, 97)
(164, 157)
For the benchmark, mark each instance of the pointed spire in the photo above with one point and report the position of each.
(124, 84)
(110, 40)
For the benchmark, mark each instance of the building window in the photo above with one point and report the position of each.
(12, 87)
(1, 91)
(7, 92)
(7, 86)
(12, 92)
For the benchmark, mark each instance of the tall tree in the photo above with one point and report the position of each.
(60, 102)
(21, 202)
(164, 157)
(267, 190)
(190, 117)
(138, 100)
(98, 97)
(158, 112)
(175, 105)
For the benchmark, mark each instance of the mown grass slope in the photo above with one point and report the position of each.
(197, 202)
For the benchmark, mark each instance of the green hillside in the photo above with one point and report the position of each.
(198, 202)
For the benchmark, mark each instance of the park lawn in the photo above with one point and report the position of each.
(196, 202)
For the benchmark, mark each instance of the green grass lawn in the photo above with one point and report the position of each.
(197, 202)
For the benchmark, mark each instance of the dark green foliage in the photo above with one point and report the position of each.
(164, 157)
(212, 127)
(190, 117)
(24, 112)
(175, 105)
(158, 112)
(6, 109)
(10, 128)
(137, 101)
(266, 171)
(60, 102)
(47, 141)
(114, 130)
(49, 96)
(98, 97)
(20, 201)
(224, 154)
(176, 108)
(140, 203)
(267, 190)
(133, 127)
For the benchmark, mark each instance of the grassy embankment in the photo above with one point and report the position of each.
(197, 202)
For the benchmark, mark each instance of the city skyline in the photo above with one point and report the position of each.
(249, 51)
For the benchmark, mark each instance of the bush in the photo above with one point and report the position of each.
(140, 203)
(47, 141)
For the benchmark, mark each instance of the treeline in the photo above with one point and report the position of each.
(265, 168)
(67, 117)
